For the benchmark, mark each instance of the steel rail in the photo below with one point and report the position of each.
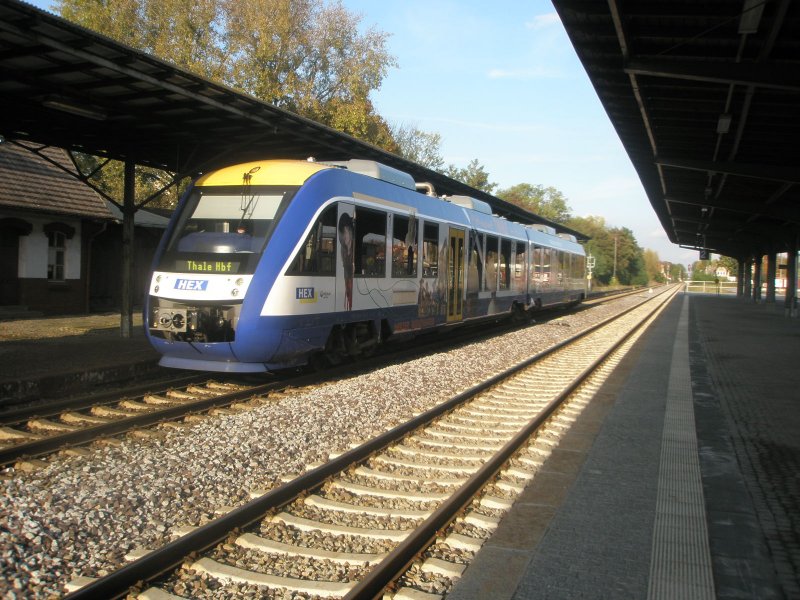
(171, 555)
(85, 435)
(48, 408)
(398, 560)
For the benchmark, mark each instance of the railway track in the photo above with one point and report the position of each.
(404, 511)
(32, 437)
(29, 434)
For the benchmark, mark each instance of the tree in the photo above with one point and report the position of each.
(474, 175)
(422, 147)
(652, 265)
(618, 257)
(545, 202)
(307, 56)
(729, 263)
(677, 272)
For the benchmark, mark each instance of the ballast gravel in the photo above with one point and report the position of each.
(80, 515)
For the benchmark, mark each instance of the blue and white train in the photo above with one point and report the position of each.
(272, 264)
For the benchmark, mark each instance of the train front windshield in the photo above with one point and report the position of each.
(223, 230)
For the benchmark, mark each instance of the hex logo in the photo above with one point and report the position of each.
(191, 285)
(305, 294)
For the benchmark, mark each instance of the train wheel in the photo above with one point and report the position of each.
(335, 350)
(519, 314)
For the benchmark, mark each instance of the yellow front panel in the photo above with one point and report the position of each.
(263, 172)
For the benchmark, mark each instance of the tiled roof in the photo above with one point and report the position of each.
(29, 182)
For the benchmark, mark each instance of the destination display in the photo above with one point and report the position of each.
(207, 266)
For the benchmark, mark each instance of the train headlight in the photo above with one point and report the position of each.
(158, 278)
(239, 282)
(155, 290)
(235, 292)
(178, 321)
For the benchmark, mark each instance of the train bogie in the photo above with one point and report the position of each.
(269, 265)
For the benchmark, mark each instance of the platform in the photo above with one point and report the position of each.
(682, 478)
(52, 356)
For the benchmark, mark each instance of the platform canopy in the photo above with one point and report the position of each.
(705, 96)
(63, 85)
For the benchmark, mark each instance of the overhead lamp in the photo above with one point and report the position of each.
(81, 110)
(724, 123)
(751, 15)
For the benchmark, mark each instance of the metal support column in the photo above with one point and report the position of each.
(740, 279)
(128, 211)
(748, 283)
(790, 306)
(772, 269)
(757, 278)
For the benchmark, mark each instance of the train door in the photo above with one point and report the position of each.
(455, 275)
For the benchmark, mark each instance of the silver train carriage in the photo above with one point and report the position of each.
(270, 264)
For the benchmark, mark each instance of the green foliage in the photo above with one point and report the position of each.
(729, 263)
(420, 146)
(546, 202)
(678, 272)
(618, 257)
(307, 56)
(474, 175)
(109, 179)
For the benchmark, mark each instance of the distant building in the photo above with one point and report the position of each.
(60, 242)
(722, 273)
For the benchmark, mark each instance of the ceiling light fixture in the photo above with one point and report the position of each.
(751, 15)
(81, 110)
(724, 123)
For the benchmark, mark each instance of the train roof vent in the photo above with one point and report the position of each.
(470, 202)
(544, 228)
(376, 170)
(568, 236)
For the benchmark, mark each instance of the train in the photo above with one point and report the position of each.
(277, 264)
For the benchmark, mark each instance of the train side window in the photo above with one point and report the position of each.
(557, 263)
(505, 264)
(546, 259)
(475, 259)
(492, 262)
(370, 238)
(317, 255)
(430, 250)
(519, 267)
(404, 247)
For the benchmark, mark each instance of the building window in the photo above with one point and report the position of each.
(56, 246)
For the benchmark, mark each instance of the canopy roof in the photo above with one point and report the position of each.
(63, 85)
(705, 96)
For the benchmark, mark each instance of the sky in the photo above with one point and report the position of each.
(500, 82)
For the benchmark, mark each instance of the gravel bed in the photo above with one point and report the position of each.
(189, 584)
(280, 532)
(347, 497)
(81, 514)
(349, 519)
(390, 485)
(426, 582)
(427, 473)
(298, 567)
